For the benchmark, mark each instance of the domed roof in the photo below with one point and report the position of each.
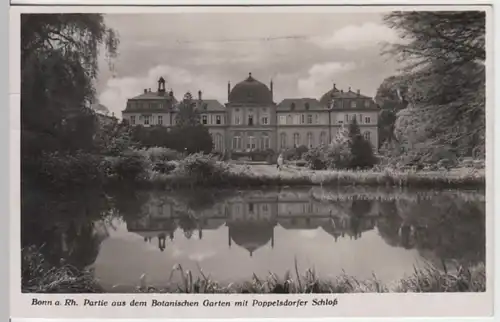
(251, 236)
(250, 91)
(326, 98)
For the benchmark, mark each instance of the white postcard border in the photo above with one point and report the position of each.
(353, 305)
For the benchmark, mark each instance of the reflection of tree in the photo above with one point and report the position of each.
(64, 225)
(448, 227)
(129, 203)
(361, 207)
(187, 223)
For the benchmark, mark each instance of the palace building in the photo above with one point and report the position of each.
(252, 120)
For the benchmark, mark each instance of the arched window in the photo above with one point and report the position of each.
(310, 140)
(322, 138)
(265, 141)
(366, 135)
(251, 141)
(296, 139)
(218, 142)
(237, 141)
(283, 140)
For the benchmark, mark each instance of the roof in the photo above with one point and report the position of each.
(211, 105)
(155, 96)
(300, 104)
(250, 91)
(251, 236)
(340, 94)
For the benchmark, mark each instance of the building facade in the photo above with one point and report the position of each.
(251, 120)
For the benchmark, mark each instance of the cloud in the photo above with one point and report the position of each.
(321, 76)
(118, 90)
(354, 37)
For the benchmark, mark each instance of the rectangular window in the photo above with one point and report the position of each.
(250, 119)
(296, 119)
(302, 119)
(265, 120)
(204, 119)
(353, 104)
(282, 119)
(160, 120)
(132, 120)
(317, 119)
(309, 119)
(367, 120)
(237, 120)
(146, 119)
(218, 119)
(360, 118)
(367, 103)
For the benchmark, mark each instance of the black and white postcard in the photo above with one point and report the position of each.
(251, 161)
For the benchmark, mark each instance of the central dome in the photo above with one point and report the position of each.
(250, 91)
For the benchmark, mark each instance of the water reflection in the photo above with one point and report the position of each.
(440, 227)
(251, 218)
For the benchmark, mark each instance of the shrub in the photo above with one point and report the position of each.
(69, 169)
(202, 168)
(315, 159)
(130, 166)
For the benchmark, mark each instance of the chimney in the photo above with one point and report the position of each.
(342, 91)
(199, 95)
(228, 89)
(149, 90)
(358, 92)
(334, 86)
(145, 91)
(349, 88)
(271, 88)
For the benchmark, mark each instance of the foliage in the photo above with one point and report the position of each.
(390, 98)
(295, 153)
(361, 151)
(130, 166)
(113, 138)
(59, 169)
(38, 276)
(59, 54)
(426, 279)
(201, 168)
(444, 54)
(191, 139)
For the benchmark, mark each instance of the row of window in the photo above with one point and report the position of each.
(283, 119)
(308, 119)
(213, 120)
(310, 139)
(146, 105)
(264, 120)
(252, 143)
(147, 119)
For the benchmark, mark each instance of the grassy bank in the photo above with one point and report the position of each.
(240, 176)
(164, 169)
(38, 278)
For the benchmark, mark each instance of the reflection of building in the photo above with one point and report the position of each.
(252, 217)
(251, 120)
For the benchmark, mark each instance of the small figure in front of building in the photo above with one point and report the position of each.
(279, 163)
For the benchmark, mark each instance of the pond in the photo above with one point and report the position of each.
(232, 235)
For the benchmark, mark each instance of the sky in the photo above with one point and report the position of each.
(303, 53)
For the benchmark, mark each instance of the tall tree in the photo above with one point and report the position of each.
(361, 150)
(443, 55)
(189, 135)
(59, 64)
(391, 98)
